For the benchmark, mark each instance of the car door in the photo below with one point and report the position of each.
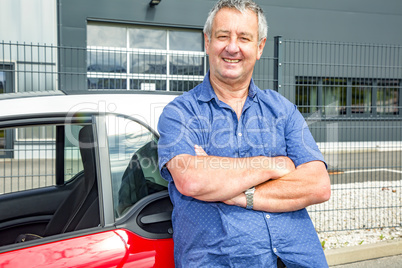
(138, 194)
(134, 225)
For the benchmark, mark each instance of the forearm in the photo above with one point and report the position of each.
(212, 178)
(308, 184)
(291, 193)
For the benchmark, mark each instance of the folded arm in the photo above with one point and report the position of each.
(213, 178)
(307, 185)
(298, 188)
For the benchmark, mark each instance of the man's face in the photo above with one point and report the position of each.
(234, 47)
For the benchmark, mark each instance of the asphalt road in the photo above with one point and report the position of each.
(364, 166)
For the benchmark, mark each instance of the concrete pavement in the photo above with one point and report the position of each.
(386, 262)
(382, 254)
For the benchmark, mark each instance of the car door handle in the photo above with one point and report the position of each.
(156, 218)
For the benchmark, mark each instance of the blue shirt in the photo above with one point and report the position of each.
(213, 234)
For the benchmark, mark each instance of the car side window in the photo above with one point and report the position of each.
(72, 156)
(48, 180)
(134, 162)
(28, 157)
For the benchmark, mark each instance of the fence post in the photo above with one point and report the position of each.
(373, 103)
(400, 99)
(278, 55)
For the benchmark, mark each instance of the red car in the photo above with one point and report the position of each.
(79, 182)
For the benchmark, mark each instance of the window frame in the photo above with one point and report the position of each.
(59, 122)
(105, 164)
(8, 68)
(371, 84)
(127, 76)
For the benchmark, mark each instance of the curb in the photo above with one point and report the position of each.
(363, 252)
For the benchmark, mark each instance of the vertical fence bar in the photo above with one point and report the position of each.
(278, 55)
(59, 68)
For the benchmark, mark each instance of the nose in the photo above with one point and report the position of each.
(233, 46)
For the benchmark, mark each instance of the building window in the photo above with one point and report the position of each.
(2, 82)
(387, 101)
(306, 95)
(334, 96)
(361, 96)
(144, 58)
(6, 86)
(6, 77)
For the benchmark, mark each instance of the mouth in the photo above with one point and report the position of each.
(231, 61)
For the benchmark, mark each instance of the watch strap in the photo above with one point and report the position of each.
(250, 197)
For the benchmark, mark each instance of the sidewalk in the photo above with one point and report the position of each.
(388, 262)
(382, 254)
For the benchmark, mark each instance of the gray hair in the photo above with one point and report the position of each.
(242, 6)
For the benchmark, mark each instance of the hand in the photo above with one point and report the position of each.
(239, 201)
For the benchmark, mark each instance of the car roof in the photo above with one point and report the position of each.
(145, 107)
(28, 94)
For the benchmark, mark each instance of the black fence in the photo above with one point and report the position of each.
(350, 95)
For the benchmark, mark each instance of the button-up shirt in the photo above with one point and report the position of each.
(213, 234)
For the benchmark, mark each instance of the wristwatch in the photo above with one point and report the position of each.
(250, 197)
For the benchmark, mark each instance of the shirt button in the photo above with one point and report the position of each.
(240, 134)
(275, 250)
(267, 216)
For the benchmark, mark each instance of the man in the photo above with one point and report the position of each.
(240, 161)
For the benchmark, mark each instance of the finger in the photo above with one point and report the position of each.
(199, 151)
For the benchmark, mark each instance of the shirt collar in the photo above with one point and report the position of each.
(207, 93)
(252, 90)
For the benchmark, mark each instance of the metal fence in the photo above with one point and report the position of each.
(350, 95)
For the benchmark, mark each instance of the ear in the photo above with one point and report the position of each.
(206, 43)
(261, 46)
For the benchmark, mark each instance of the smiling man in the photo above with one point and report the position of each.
(241, 164)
